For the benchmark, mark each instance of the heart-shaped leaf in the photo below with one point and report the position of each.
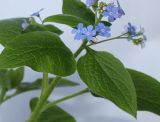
(53, 114)
(66, 19)
(106, 76)
(78, 9)
(148, 91)
(42, 51)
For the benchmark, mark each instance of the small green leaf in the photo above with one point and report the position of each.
(11, 78)
(53, 114)
(78, 9)
(106, 76)
(38, 27)
(148, 92)
(106, 23)
(9, 29)
(43, 51)
(66, 19)
(15, 76)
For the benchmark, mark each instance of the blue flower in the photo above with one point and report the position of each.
(120, 11)
(103, 30)
(78, 32)
(111, 12)
(89, 3)
(131, 30)
(24, 24)
(89, 32)
(37, 14)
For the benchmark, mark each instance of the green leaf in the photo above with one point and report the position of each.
(106, 76)
(66, 19)
(15, 76)
(9, 29)
(42, 51)
(106, 23)
(11, 78)
(53, 114)
(38, 27)
(148, 91)
(78, 9)
(26, 86)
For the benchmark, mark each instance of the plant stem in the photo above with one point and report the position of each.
(42, 100)
(114, 38)
(44, 83)
(66, 98)
(80, 49)
(45, 94)
(2, 94)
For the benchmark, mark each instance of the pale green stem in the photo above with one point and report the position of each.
(43, 98)
(2, 94)
(114, 38)
(44, 83)
(66, 98)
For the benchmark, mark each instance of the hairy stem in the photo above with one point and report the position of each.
(43, 98)
(44, 83)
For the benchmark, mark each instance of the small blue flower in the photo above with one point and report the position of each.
(89, 3)
(131, 30)
(89, 32)
(37, 14)
(78, 32)
(103, 30)
(24, 24)
(111, 12)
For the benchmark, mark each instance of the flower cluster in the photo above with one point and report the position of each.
(136, 36)
(90, 32)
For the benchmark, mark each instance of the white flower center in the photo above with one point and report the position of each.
(103, 30)
(88, 33)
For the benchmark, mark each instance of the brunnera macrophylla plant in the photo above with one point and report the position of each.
(38, 46)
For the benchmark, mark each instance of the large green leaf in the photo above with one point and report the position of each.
(53, 114)
(43, 51)
(106, 76)
(39, 27)
(9, 29)
(148, 91)
(66, 19)
(79, 9)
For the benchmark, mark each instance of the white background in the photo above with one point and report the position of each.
(87, 108)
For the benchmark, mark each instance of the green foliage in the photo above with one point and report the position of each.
(9, 29)
(148, 91)
(106, 76)
(39, 27)
(53, 114)
(78, 9)
(26, 86)
(42, 51)
(66, 19)
(11, 78)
